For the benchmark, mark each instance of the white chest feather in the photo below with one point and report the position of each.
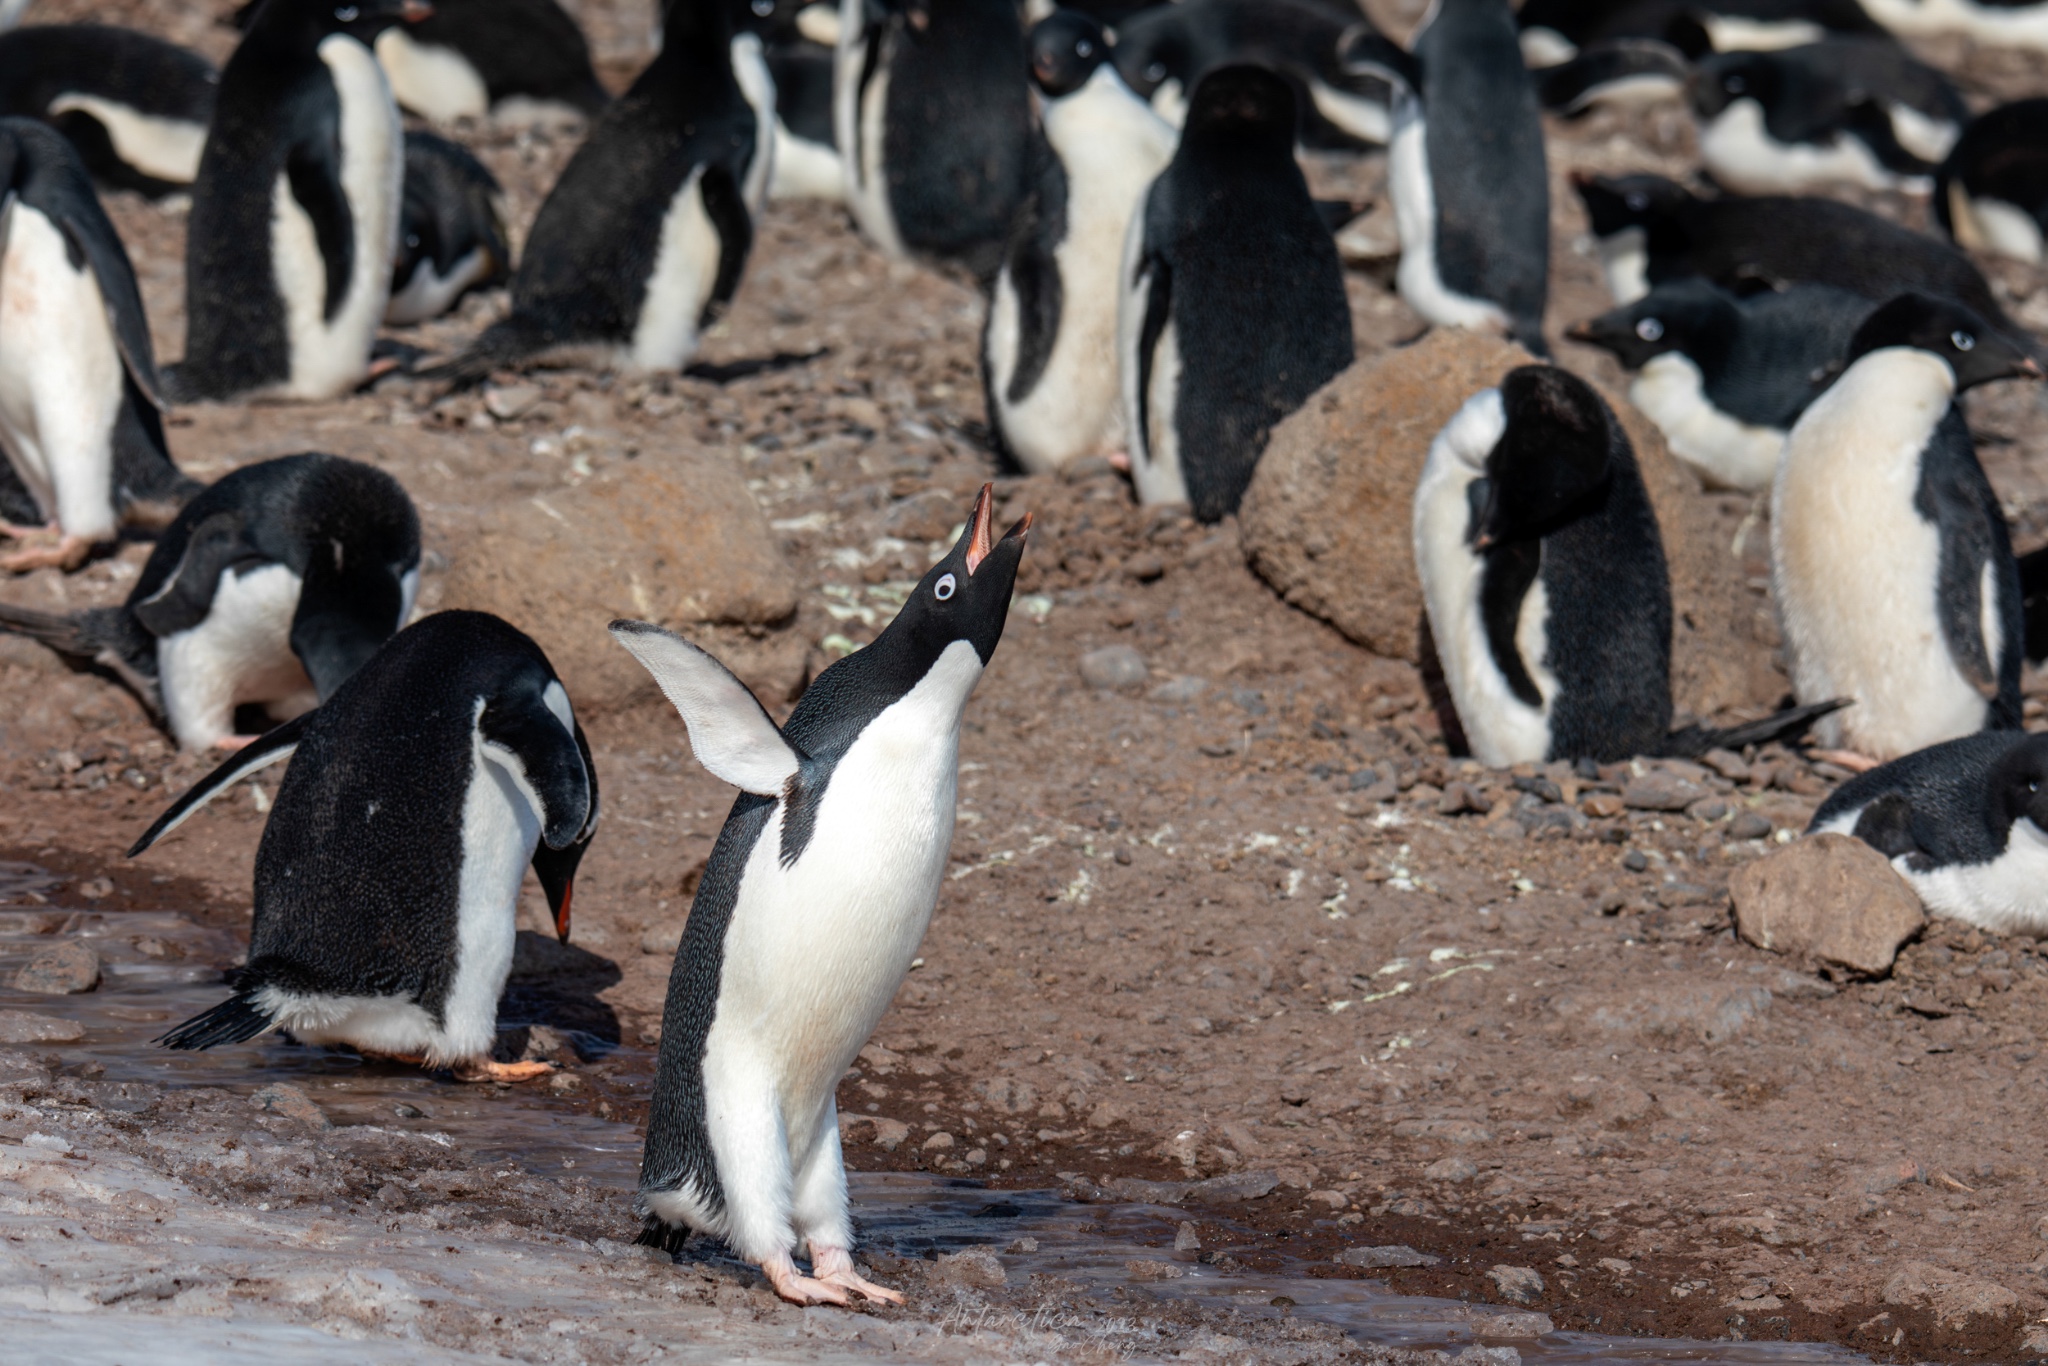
(806, 169)
(240, 653)
(1993, 26)
(60, 375)
(429, 293)
(1742, 155)
(1855, 566)
(685, 273)
(434, 82)
(1726, 452)
(2008, 895)
(1150, 426)
(1737, 33)
(1414, 196)
(1625, 260)
(167, 149)
(1993, 225)
(858, 116)
(1501, 728)
(757, 85)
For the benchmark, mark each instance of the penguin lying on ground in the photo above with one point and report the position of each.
(1465, 170)
(135, 106)
(1049, 354)
(387, 880)
(295, 212)
(1233, 309)
(1991, 195)
(1964, 822)
(1848, 111)
(933, 122)
(1996, 24)
(271, 587)
(1890, 562)
(808, 915)
(451, 231)
(79, 392)
(1620, 71)
(1544, 579)
(1724, 376)
(641, 243)
(1553, 31)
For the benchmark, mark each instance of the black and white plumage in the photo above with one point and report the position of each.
(809, 913)
(1991, 194)
(1964, 822)
(1997, 24)
(135, 106)
(1049, 349)
(508, 58)
(642, 242)
(1465, 170)
(933, 122)
(1890, 562)
(271, 588)
(1233, 308)
(79, 391)
(1554, 31)
(294, 217)
(451, 230)
(1618, 72)
(1847, 111)
(387, 879)
(798, 40)
(1724, 376)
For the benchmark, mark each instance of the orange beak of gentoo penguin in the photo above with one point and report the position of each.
(415, 10)
(981, 538)
(562, 912)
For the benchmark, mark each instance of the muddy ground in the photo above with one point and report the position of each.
(1217, 923)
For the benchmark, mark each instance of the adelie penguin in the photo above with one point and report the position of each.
(135, 106)
(451, 230)
(642, 241)
(1991, 195)
(1544, 579)
(1465, 170)
(808, 915)
(270, 589)
(1996, 24)
(1890, 562)
(387, 879)
(1965, 823)
(294, 217)
(79, 392)
(1049, 349)
(1233, 309)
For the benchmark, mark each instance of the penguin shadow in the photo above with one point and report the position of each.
(727, 372)
(554, 990)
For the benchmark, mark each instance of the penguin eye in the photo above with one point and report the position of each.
(763, 8)
(943, 589)
(1637, 200)
(347, 14)
(1156, 72)
(1084, 48)
(1734, 85)
(1649, 329)
(1961, 340)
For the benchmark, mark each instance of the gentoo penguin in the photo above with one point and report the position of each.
(1993, 24)
(641, 243)
(295, 212)
(1617, 72)
(1847, 111)
(387, 879)
(1544, 580)
(1049, 349)
(933, 122)
(1465, 170)
(808, 915)
(1991, 195)
(1163, 51)
(135, 106)
(79, 392)
(1554, 31)
(1725, 376)
(1233, 309)
(1889, 559)
(271, 588)
(451, 230)
(1965, 823)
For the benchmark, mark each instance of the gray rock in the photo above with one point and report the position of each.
(1828, 897)
(1113, 666)
(1729, 766)
(1954, 1300)
(1749, 825)
(1388, 1254)
(60, 970)
(974, 1266)
(662, 939)
(1236, 1186)
(511, 400)
(1185, 1239)
(1452, 1168)
(1487, 1356)
(1451, 1130)
(1657, 790)
(21, 1026)
(1184, 689)
(1517, 1284)
(289, 1102)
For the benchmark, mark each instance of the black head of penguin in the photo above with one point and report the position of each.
(1617, 203)
(522, 722)
(2018, 784)
(303, 24)
(359, 532)
(1246, 112)
(1977, 352)
(1691, 316)
(1067, 47)
(1720, 81)
(965, 596)
(1555, 454)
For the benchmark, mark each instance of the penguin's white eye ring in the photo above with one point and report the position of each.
(347, 14)
(943, 589)
(1636, 200)
(1156, 72)
(1649, 329)
(1961, 340)
(763, 8)
(1084, 48)
(1734, 85)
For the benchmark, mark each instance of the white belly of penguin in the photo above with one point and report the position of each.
(434, 82)
(806, 169)
(1743, 156)
(1855, 566)
(859, 118)
(165, 148)
(330, 357)
(1993, 225)
(241, 652)
(757, 87)
(685, 272)
(1725, 451)
(2021, 26)
(60, 375)
(429, 293)
(2008, 895)
(1414, 196)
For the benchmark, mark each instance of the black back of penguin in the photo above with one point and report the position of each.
(528, 48)
(1236, 257)
(451, 210)
(2001, 156)
(48, 65)
(1951, 803)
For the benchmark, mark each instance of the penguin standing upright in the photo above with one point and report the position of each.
(1465, 170)
(387, 879)
(135, 106)
(451, 230)
(272, 587)
(1991, 194)
(934, 125)
(79, 391)
(295, 212)
(1233, 309)
(809, 913)
(798, 41)
(643, 239)
(1890, 562)
(1049, 347)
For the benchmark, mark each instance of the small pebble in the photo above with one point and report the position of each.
(22, 1026)
(60, 970)
(1113, 666)
(1749, 825)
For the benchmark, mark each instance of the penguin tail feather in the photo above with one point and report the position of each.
(235, 1020)
(104, 637)
(1694, 741)
(503, 343)
(668, 1237)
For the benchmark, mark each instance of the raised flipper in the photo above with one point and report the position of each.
(729, 730)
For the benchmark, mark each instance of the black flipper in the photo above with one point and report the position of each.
(1886, 825)
(670, 1238)
(2034, 599)
(314, 172)
(726, 207)
(235, 1020)
(91, 234)
(185, 598)
(1694, 741)
(1158, 278)
(271, 747)
(1364, 51)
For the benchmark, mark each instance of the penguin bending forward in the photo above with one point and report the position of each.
(294, 217)
(271, 588)
(809, 913)
(387, 880)
(135, 106)
(451, 231)
(79, 391)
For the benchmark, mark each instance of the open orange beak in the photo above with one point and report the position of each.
(981, 527)
(562, 912)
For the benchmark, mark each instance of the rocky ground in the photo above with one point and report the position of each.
(1223, 908)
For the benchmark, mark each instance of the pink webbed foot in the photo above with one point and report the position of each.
(55, 552)
(798, 1288)
(1846, 758)
(834, 1266)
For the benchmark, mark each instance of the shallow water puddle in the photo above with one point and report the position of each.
(160, 968)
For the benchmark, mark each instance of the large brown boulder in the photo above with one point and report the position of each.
(1828, 898)
(673, 538)
(1326, 521)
